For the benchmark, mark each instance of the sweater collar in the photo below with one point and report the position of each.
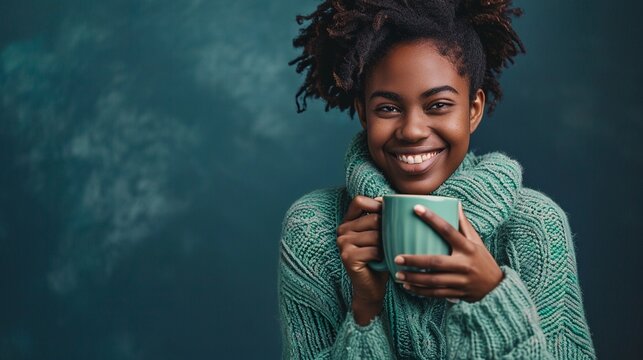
(487, 185)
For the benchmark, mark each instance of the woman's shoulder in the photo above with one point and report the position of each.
(531, 202)
(313, 217)
(321, 205)
(505, 173)
(535, 214)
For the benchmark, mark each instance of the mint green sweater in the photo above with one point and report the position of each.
(536, 312)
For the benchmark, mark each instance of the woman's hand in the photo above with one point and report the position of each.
(469, 273)
(358, 239)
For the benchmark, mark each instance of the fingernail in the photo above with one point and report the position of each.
(399, 275)
(419, 209)
(407, 286)
(399, 260)
(379, 198)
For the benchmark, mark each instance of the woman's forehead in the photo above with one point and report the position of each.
(415, 66)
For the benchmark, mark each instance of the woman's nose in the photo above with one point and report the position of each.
(414, 127)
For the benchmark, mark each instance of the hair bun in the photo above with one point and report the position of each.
(491, 19)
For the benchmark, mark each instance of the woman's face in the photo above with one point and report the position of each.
(418, 116)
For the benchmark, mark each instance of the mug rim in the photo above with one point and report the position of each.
(430, 197)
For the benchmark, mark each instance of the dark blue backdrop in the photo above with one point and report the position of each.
(149, 149)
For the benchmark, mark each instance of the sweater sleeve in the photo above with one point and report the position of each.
(315, 322)
(536, 312)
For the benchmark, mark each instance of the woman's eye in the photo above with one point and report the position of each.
(387, 108)
(439, 106)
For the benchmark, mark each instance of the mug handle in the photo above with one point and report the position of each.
(378, 265)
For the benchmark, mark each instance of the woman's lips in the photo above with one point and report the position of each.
(426, 163)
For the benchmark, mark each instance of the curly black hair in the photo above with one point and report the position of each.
(345, 38)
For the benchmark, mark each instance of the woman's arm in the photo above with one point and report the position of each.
(315, 322)
(537, 310)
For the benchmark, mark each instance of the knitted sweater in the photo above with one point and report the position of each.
(536, 312)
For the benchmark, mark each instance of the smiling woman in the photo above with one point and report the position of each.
(420, 74)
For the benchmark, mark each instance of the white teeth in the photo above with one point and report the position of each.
(416, 159)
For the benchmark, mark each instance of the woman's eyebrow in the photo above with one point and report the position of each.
(396, 97)
(439, 89)
(386, 94)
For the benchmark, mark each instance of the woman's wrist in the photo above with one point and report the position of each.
(493, 283)
(365, 312)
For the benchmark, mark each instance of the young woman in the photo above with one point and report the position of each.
(420, 74)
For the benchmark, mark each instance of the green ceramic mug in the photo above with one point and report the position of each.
(404, 232)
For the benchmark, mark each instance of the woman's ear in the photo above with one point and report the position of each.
(476, 110)
(359, 108)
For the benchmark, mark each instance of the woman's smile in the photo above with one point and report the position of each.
(416, 162)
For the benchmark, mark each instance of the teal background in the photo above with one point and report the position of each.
(149, 150)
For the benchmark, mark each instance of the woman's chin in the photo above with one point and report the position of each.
(414, 188)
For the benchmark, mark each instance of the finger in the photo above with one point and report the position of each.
(435, 292)
(431, 280)
(364, 238)
(361, 204)
(442, 263)
(466, 228)
(363, 223)
(448, 232)
(366, 222)
(356, 258)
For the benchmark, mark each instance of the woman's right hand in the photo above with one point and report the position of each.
(358, 239)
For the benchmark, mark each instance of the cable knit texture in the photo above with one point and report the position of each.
(536, 312)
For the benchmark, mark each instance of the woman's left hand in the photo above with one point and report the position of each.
(469, 273)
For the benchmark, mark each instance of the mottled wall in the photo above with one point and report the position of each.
(149, 149)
